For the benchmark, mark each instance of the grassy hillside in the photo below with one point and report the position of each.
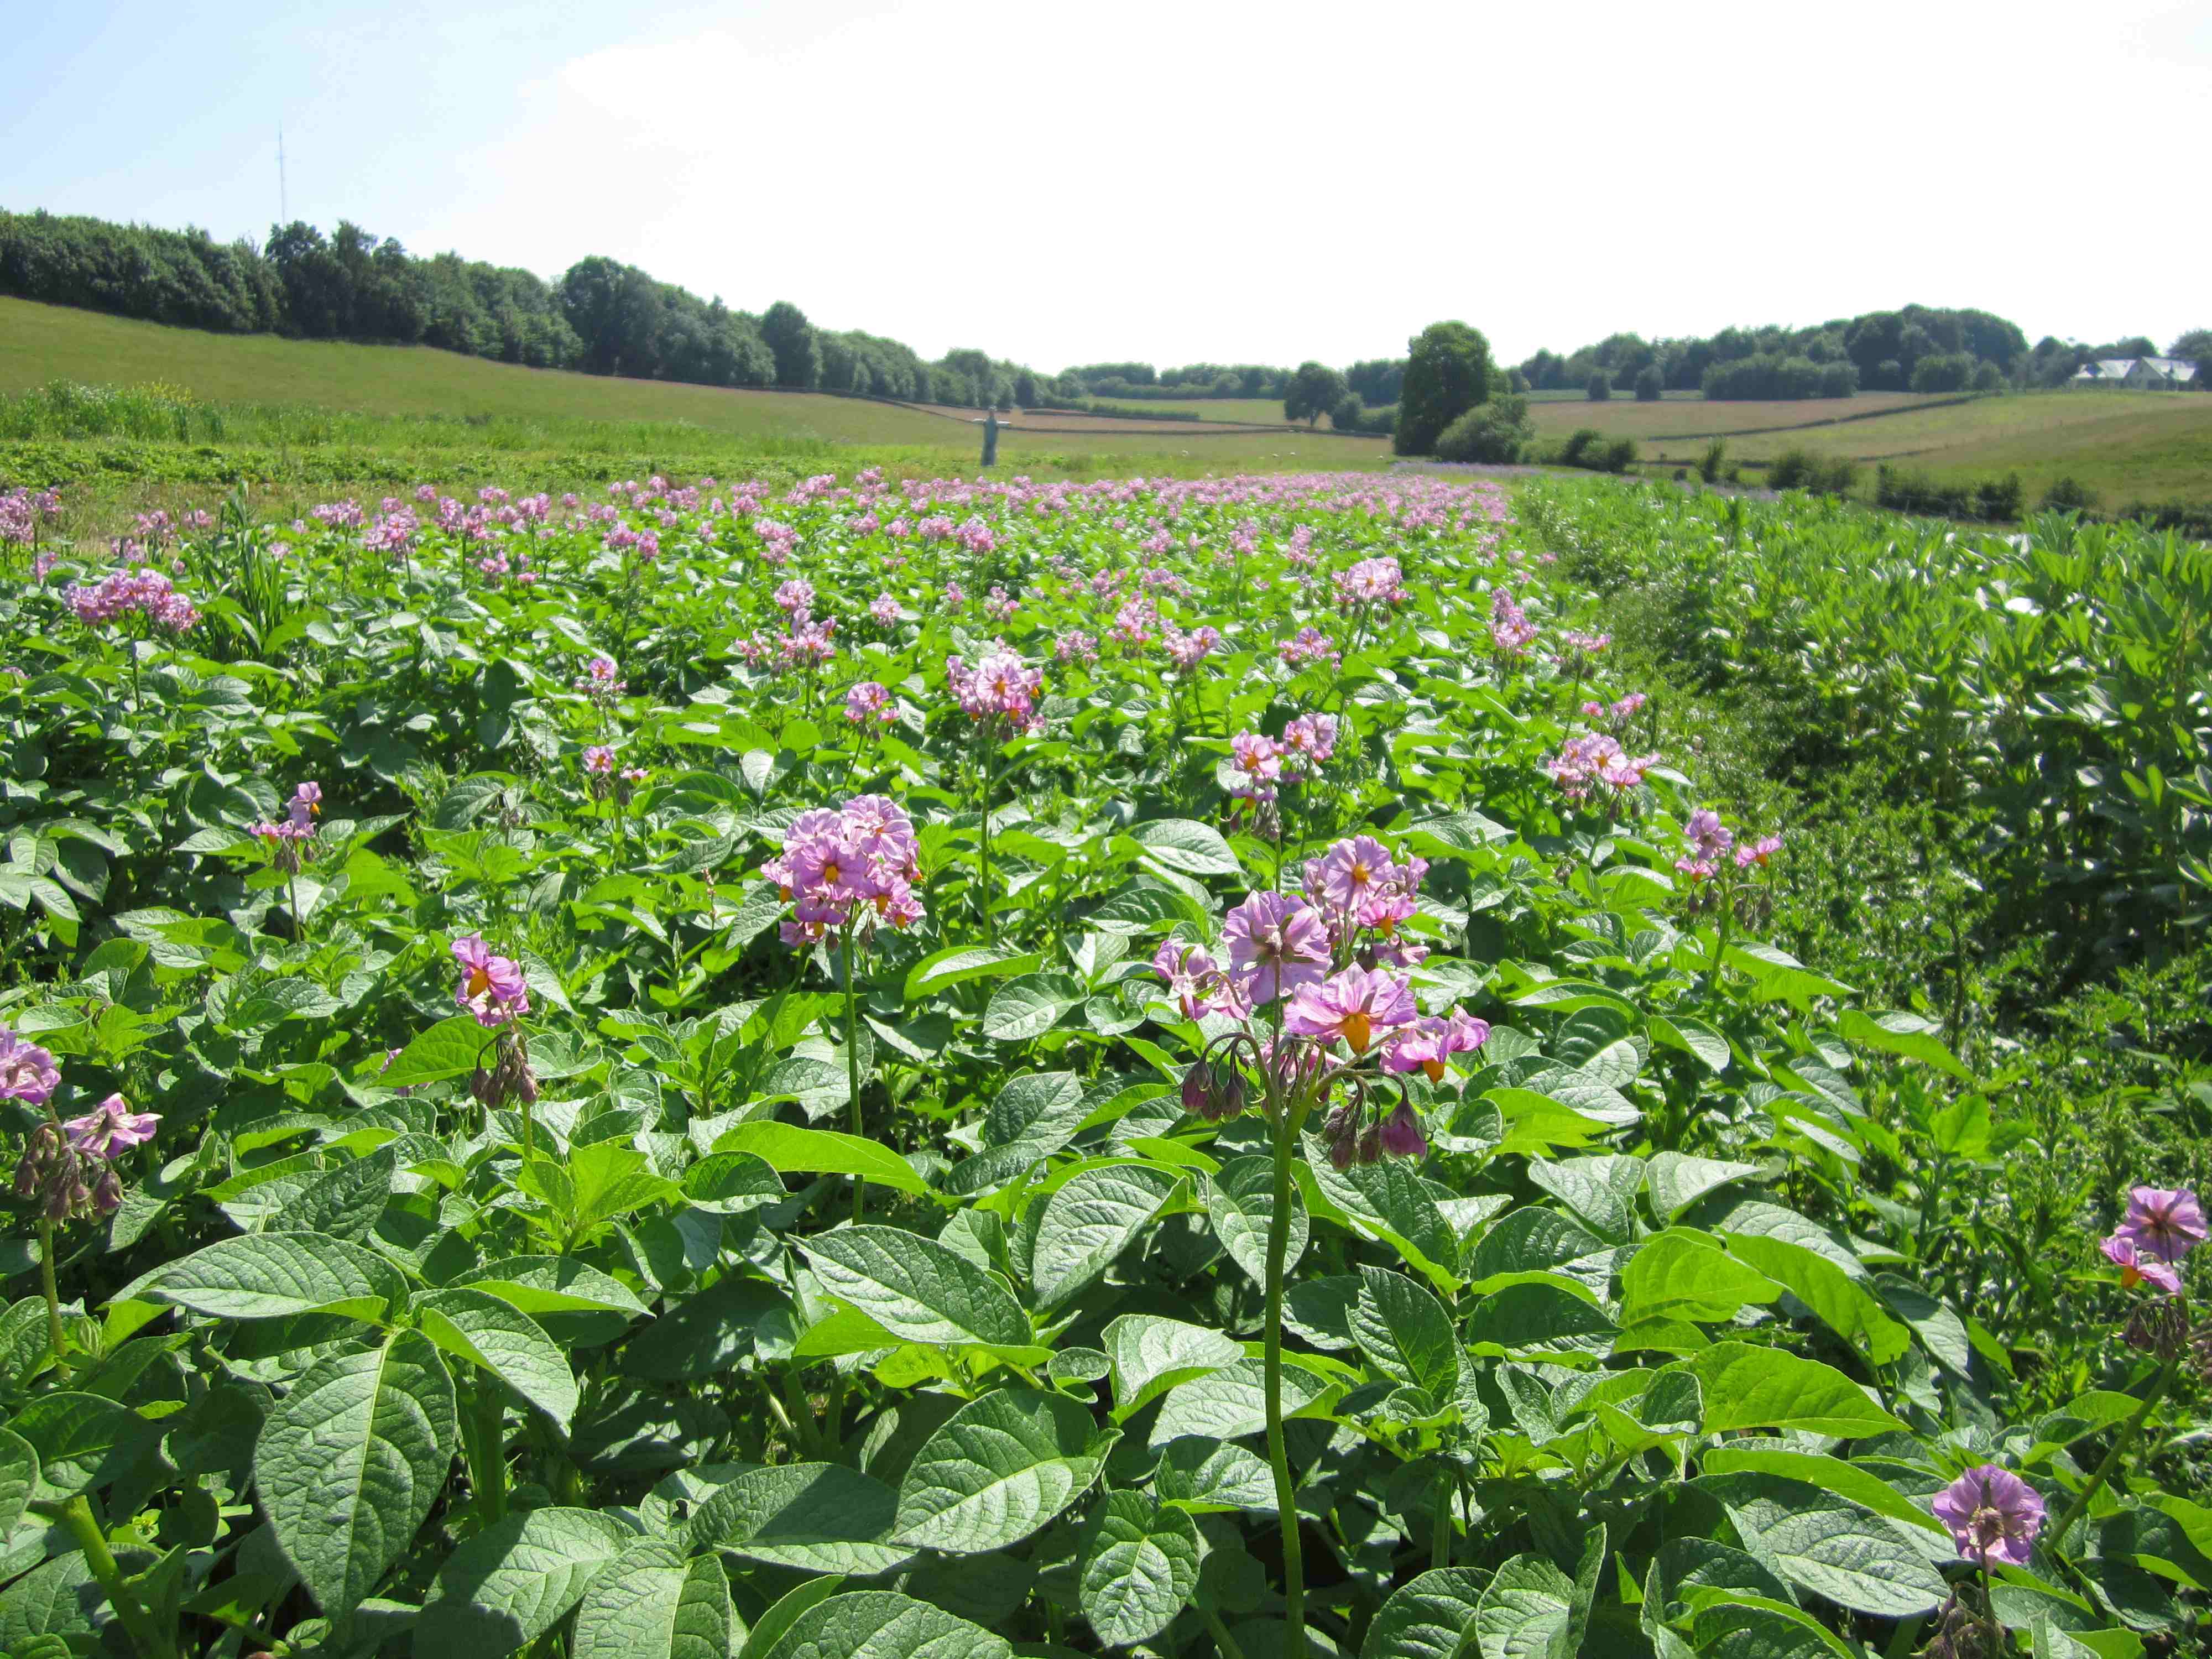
(315, 412)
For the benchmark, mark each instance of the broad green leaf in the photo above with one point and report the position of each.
(1841, 1303)
(552, 1284)
(1386, 1202)
(1191, 849)
(711, 1332)
(999, 1468)
(1752, 1387)
(1899, 1033)
(1538, 1318)
(916, 1288)
(1680, 1274)
(1845, 1480)
(1601, 1188)
(1032, 1006)
(814, 1517)
(1152, 1354)
(731, 1183)
(452, 1047)
(1208, 1476)
(1137, 1568)
(509, 1585)
(275, 1276)
(482, 1328)
(1240, 1203)
(883, 1625)
(1834, 1549)
(1405, 1333)
(1753, 1627)
(1430, 1616)
(19, 1478)
(653, 1602)
(341, 1203)
(958, 963)
(350, 1461)
(1524, 1610)
(1088, 1222)
(788, 1149)
(1530, 1239)
(80, 1440)
(1676, 1180)
(1232, 1402)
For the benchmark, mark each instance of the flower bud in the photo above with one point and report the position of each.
(1402, 1135)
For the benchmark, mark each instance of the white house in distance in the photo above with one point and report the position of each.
(2144, 374)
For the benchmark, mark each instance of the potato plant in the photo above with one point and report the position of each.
(862, 1070)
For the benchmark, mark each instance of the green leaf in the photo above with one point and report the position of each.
(1844, 1306)
(1676, 1180)
(1088, 1222)
(1601, 1188)
(1240, 1203)
(1524, 1610)
(509, 1584)
(80, 1440)
(1208, 1476)
(998, 1469)
(815, 1518)
(1845, 1480)
(1538, 1318)
(350, 1461)
(1232, 1402)
(552, 1284)
(1430, 1616)
(1751, 1387)
(1405, 1333)
(769, 1628)
(883, 1625)
(732, 1184)
(19, 1478)
(452, 1047)
(788, 1149)
(1834, 1549)
(959, 964)
(1139, 1568)
(276, 1276)
(916, 1288)
(1681, 1275)
(1899, 1033)
(1386, 1202)
(1152, 1354)
(711, 1332)
(1192, 849)
(653, 1602)
(1032, 1006)
(496, 1335)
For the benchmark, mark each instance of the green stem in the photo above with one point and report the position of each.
(852, 1060)
(55, 1338)
(484, 1445)
(2080, 1506)
(1223, 1643)
(1440, 1544)
(145, 1635)
(1287, 1507)
(990, 780)
(1990, 1613)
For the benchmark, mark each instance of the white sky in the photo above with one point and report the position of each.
(1174, 182)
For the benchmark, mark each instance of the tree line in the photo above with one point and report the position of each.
(600, 316)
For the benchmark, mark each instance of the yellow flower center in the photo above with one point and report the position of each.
(1357, 1027)
(479, 982)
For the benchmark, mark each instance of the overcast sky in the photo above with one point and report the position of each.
(1061, 183)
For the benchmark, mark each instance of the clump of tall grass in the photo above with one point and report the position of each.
(156, 412)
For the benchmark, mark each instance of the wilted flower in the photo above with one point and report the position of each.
(1993, 1514)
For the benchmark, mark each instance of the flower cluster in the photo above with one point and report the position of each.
(855, 868)
(1361, 889)
(1510, 630)
(2163, 1224)
(1597, 757)
(491, 987)
(53, 1172)
(999, 687)
(1307, 743)
(146, 592)
(601, 681)
(1618, 713)
(869, 704)
(22, 512)
(884, 611)
(1199, 985)
(287, 842)
(1372, 581)
(1307, 645)
(1187, 651)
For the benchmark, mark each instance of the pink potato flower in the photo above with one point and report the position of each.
(27, 1071)
(1993, 1514)
(491, 987)
(110, 1128)
(1276, 945)
(1357, 1006)
(2165, 1222)
(2136, 1268)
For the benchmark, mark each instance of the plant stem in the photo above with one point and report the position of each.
(983, 893)
(1223, 1643)
(1278, 1246)
(55, 1339)
(484, 1445)
(1990, 1613)
(2080, 1506)
(1440, 1544)
(145, 1635)
(852, 1060)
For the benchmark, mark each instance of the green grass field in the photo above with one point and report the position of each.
(304, 412)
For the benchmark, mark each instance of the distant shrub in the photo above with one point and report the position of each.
(1650, 384)
(1839, 380)
(1708, 468)
(1600, 387)
(1681, 474)
(2068, 496)
(1618, 455)
(1495, 434)
(1943, 371)
(1993, 500)
(1346, 415)
(1580, 442)
(1998, 500)
(1988, 378)
(1793, 469)
(1516, 382)
(1763, 376)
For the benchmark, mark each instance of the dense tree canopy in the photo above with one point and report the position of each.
(1448, 371)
